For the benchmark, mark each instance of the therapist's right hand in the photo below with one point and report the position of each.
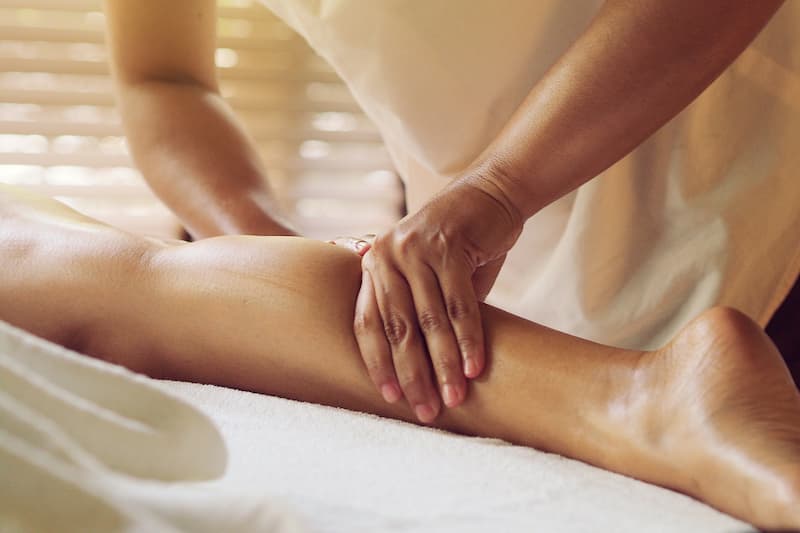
(417, 320)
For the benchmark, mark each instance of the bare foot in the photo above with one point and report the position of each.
(727, 419)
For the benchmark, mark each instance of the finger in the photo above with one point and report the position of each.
(358, 245)
(408, 351)
(464, 315)
(439, 336)
(375, 352)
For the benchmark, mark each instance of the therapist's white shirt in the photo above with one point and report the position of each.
(705, 212)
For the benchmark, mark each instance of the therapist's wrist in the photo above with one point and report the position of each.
(481, 217)
(498, 183)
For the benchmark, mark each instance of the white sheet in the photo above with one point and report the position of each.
(337, 470)
(349, 472)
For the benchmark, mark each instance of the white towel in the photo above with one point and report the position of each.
(89, 446)
(348, 472)
(340, 471)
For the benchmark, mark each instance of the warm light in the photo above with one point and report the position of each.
(334, 121)
(68, 144)
(26, 144)
(385, 178)
(226, 58)
(96, 18)
(21, 174)
(86, 52)
(83, 113)
(71, 176)
(314, 149)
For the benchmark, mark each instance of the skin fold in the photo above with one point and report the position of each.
(714, 414)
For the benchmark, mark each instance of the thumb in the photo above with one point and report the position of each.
(357, 245)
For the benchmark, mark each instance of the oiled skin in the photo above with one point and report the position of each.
(714, 413)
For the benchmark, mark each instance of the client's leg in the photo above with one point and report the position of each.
(58, 268)
(713, 414)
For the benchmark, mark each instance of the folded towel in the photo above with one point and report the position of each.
(89, 446)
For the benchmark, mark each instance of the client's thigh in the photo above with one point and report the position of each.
(60, 269)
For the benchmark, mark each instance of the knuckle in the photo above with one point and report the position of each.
(441, 241)
(375, 368)
(467, 344)
(406, 243)
(445, 367)
(430, 322)
(396, 329)
(458, 308)
(363, 323)
(410, 380)
(449, 234)
(380, 245)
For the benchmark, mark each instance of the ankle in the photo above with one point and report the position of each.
(636, 415)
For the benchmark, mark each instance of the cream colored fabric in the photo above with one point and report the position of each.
(706, 212)
(87, 446)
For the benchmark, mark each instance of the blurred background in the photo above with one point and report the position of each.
(60, 133)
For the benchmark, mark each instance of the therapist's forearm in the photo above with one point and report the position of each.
(637, 65)
(197, 158)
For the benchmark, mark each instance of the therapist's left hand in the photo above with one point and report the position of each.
(417, 321)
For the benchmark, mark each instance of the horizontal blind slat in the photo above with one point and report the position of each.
(99, 160)
(88, 35)
(100, 68)
(253, 12)
(113, 129)
(294, 104)
(57, 99)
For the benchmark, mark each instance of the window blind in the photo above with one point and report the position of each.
(60, 132)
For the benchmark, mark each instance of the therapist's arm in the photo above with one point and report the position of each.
(183, 136)
(636, 65)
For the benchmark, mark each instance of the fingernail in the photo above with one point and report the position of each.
(470, 367)
(425, 413)
(390, 392)
(450, 395)
(361, 245)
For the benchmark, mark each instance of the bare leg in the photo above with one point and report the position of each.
(713, 414)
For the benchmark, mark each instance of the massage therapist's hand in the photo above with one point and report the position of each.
(417, 322)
